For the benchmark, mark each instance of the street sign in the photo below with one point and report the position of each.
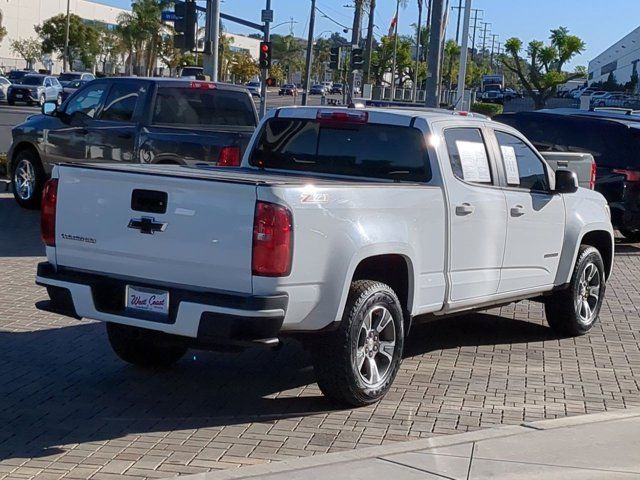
(267, 15)
(169, 16)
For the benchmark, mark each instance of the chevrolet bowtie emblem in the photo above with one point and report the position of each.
(147, 225)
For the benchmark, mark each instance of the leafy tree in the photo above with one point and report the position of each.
(243, 67)
(30, 49)
(451, 62)
(142, 31)
(277, 73)
(83, 39)
(541, 69)
(3, 30)
(111, 49)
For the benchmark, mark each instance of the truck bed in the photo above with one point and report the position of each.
(241, 175)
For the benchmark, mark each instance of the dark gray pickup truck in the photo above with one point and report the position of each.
(132, 120)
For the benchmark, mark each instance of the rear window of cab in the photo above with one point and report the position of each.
(350, 149)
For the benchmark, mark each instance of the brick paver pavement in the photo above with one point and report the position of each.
(70, 409)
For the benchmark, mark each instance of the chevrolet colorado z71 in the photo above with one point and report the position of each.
(341, 226)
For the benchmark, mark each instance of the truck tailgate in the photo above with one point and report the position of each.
(203, 238)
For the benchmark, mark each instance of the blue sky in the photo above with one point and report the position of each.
(598, 24)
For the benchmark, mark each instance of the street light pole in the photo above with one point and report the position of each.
(462, 71)
(415, 76)
(66, 40)
(307, 73)
(395, 54)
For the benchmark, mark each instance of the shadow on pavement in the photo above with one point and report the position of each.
(65, 386)
(19, 230)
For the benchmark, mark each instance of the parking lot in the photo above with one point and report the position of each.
(69, 408)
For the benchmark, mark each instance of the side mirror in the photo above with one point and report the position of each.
(49, 108)
(566, 181)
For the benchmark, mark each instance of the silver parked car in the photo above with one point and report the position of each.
(34, 89)
(4, 86)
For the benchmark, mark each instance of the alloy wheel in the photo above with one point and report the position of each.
(25, 179)
(588, 294)
(376, 347)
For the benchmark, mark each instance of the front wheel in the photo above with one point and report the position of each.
(28, 180)
(574, 310)
(357, 363)
(144, 348)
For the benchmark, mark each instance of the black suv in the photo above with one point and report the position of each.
(614, 141)
(146, 120)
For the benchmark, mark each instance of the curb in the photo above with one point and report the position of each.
(404, 447)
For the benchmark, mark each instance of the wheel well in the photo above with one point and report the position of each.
(392, 270)
(24, 146)
(601, 240)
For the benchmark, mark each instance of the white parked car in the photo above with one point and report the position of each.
(4, 87)
(343, 228)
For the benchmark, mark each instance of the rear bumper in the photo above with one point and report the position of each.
(208, 317)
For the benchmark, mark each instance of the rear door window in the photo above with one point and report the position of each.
(203, 106)
(357, 150)
(468, 155)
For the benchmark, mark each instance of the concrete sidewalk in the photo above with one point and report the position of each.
(597, 446)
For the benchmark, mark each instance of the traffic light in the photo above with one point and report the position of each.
(265, 55)
(334, 58)
(357, 59)
(185, 25)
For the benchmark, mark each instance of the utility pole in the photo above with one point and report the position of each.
(493, 46)
(307, 73)
(484, 37)
(355, 41)
(432, 96)
(66, 42)
(473, 38)
(370, 26)
(264, 74)
(395, 53)
(459, 8)
(212, 40)
(418, 39)
(462, 71)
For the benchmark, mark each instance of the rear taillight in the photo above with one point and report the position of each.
(272, 240)
(229, 157)
(630, 175)
(48, 213)
(592, 179)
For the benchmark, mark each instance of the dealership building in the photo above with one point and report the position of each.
(621, 58)
(20, 17)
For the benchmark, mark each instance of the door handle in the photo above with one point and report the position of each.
(465, 209)
(517, 211)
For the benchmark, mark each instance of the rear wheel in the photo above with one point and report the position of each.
(574, 310)
(357, 363)
(28, 179)
(144, 348)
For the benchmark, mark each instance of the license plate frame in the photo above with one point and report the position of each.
(147, 300)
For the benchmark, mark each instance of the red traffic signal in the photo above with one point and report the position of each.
(265, 55)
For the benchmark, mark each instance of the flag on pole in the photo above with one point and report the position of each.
(394, 24)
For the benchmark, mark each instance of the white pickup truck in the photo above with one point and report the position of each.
(341, 227)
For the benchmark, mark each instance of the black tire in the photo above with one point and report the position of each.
(27, 197)
(564, 309)
(144, 348)
(59, 99)
(336, 354)
(10, 102)
(630, 234)
(41, 100)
